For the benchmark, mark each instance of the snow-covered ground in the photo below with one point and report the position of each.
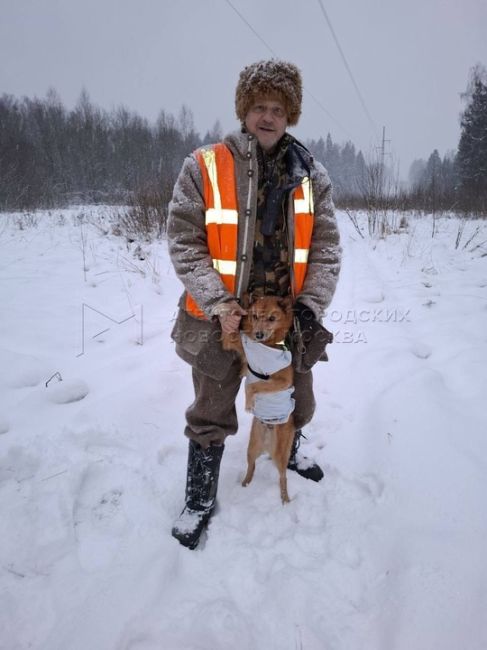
(387, 553)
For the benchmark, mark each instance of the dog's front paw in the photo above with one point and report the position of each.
(249, 400)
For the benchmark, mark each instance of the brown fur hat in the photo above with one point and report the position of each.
(270, 79)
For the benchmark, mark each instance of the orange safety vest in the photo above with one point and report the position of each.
(221, 219)
(303, 231)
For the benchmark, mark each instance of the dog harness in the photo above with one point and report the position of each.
(264, 361)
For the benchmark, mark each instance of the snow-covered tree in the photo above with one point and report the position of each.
(472, 148)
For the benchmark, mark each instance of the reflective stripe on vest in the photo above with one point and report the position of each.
(303, 230)
(221, 215)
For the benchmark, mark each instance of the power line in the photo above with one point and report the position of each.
(275, 55)
(251, 28)
(308, 92)
(345, 62)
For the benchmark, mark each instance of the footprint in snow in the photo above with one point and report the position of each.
(373, 296)
(18, 465)
(421, 350)
(371, 485)
(99, 519)
(368, 486)
(108, 505)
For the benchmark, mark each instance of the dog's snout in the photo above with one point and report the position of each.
(259, 335)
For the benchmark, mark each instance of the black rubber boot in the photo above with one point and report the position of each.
(301, 464)
(201, 487)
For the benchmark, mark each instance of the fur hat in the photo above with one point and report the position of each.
(273, 78)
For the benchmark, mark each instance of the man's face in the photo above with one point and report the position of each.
(267, 120)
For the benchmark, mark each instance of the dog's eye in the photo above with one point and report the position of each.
(271, 319)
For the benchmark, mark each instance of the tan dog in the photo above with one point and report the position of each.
(264, 329)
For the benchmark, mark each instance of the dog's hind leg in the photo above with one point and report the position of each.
(283, 486)
(254, 450)
(282, 451)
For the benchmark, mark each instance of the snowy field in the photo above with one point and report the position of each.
(387, 553)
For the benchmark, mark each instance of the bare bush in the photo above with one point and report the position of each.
(146, 216)
(379, 188)
(477, 230)
(354, 220)
(27, 220)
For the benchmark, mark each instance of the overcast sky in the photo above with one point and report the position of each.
(410, 60)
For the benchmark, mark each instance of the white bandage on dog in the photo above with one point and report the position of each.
(270, 408)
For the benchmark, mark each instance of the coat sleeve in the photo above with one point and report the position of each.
(187, 240)
(325, 251)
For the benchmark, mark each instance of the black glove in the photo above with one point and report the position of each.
(304, 315)
(310, 337)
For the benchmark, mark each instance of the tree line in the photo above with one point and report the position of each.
(458, 181)
(51, 157)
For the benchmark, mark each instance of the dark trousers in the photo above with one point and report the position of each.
(213, 416)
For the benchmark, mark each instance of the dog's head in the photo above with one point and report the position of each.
(268, 319)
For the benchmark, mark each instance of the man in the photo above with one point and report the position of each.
(245, 217)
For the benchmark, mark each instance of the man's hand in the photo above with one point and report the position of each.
(230, 315)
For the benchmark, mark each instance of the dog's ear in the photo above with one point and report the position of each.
(285, 303)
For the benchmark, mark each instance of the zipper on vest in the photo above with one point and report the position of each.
(247, 218)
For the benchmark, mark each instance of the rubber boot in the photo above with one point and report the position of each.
(201, 487)
(301, 464)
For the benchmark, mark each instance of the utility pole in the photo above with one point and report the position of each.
(382, 157)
